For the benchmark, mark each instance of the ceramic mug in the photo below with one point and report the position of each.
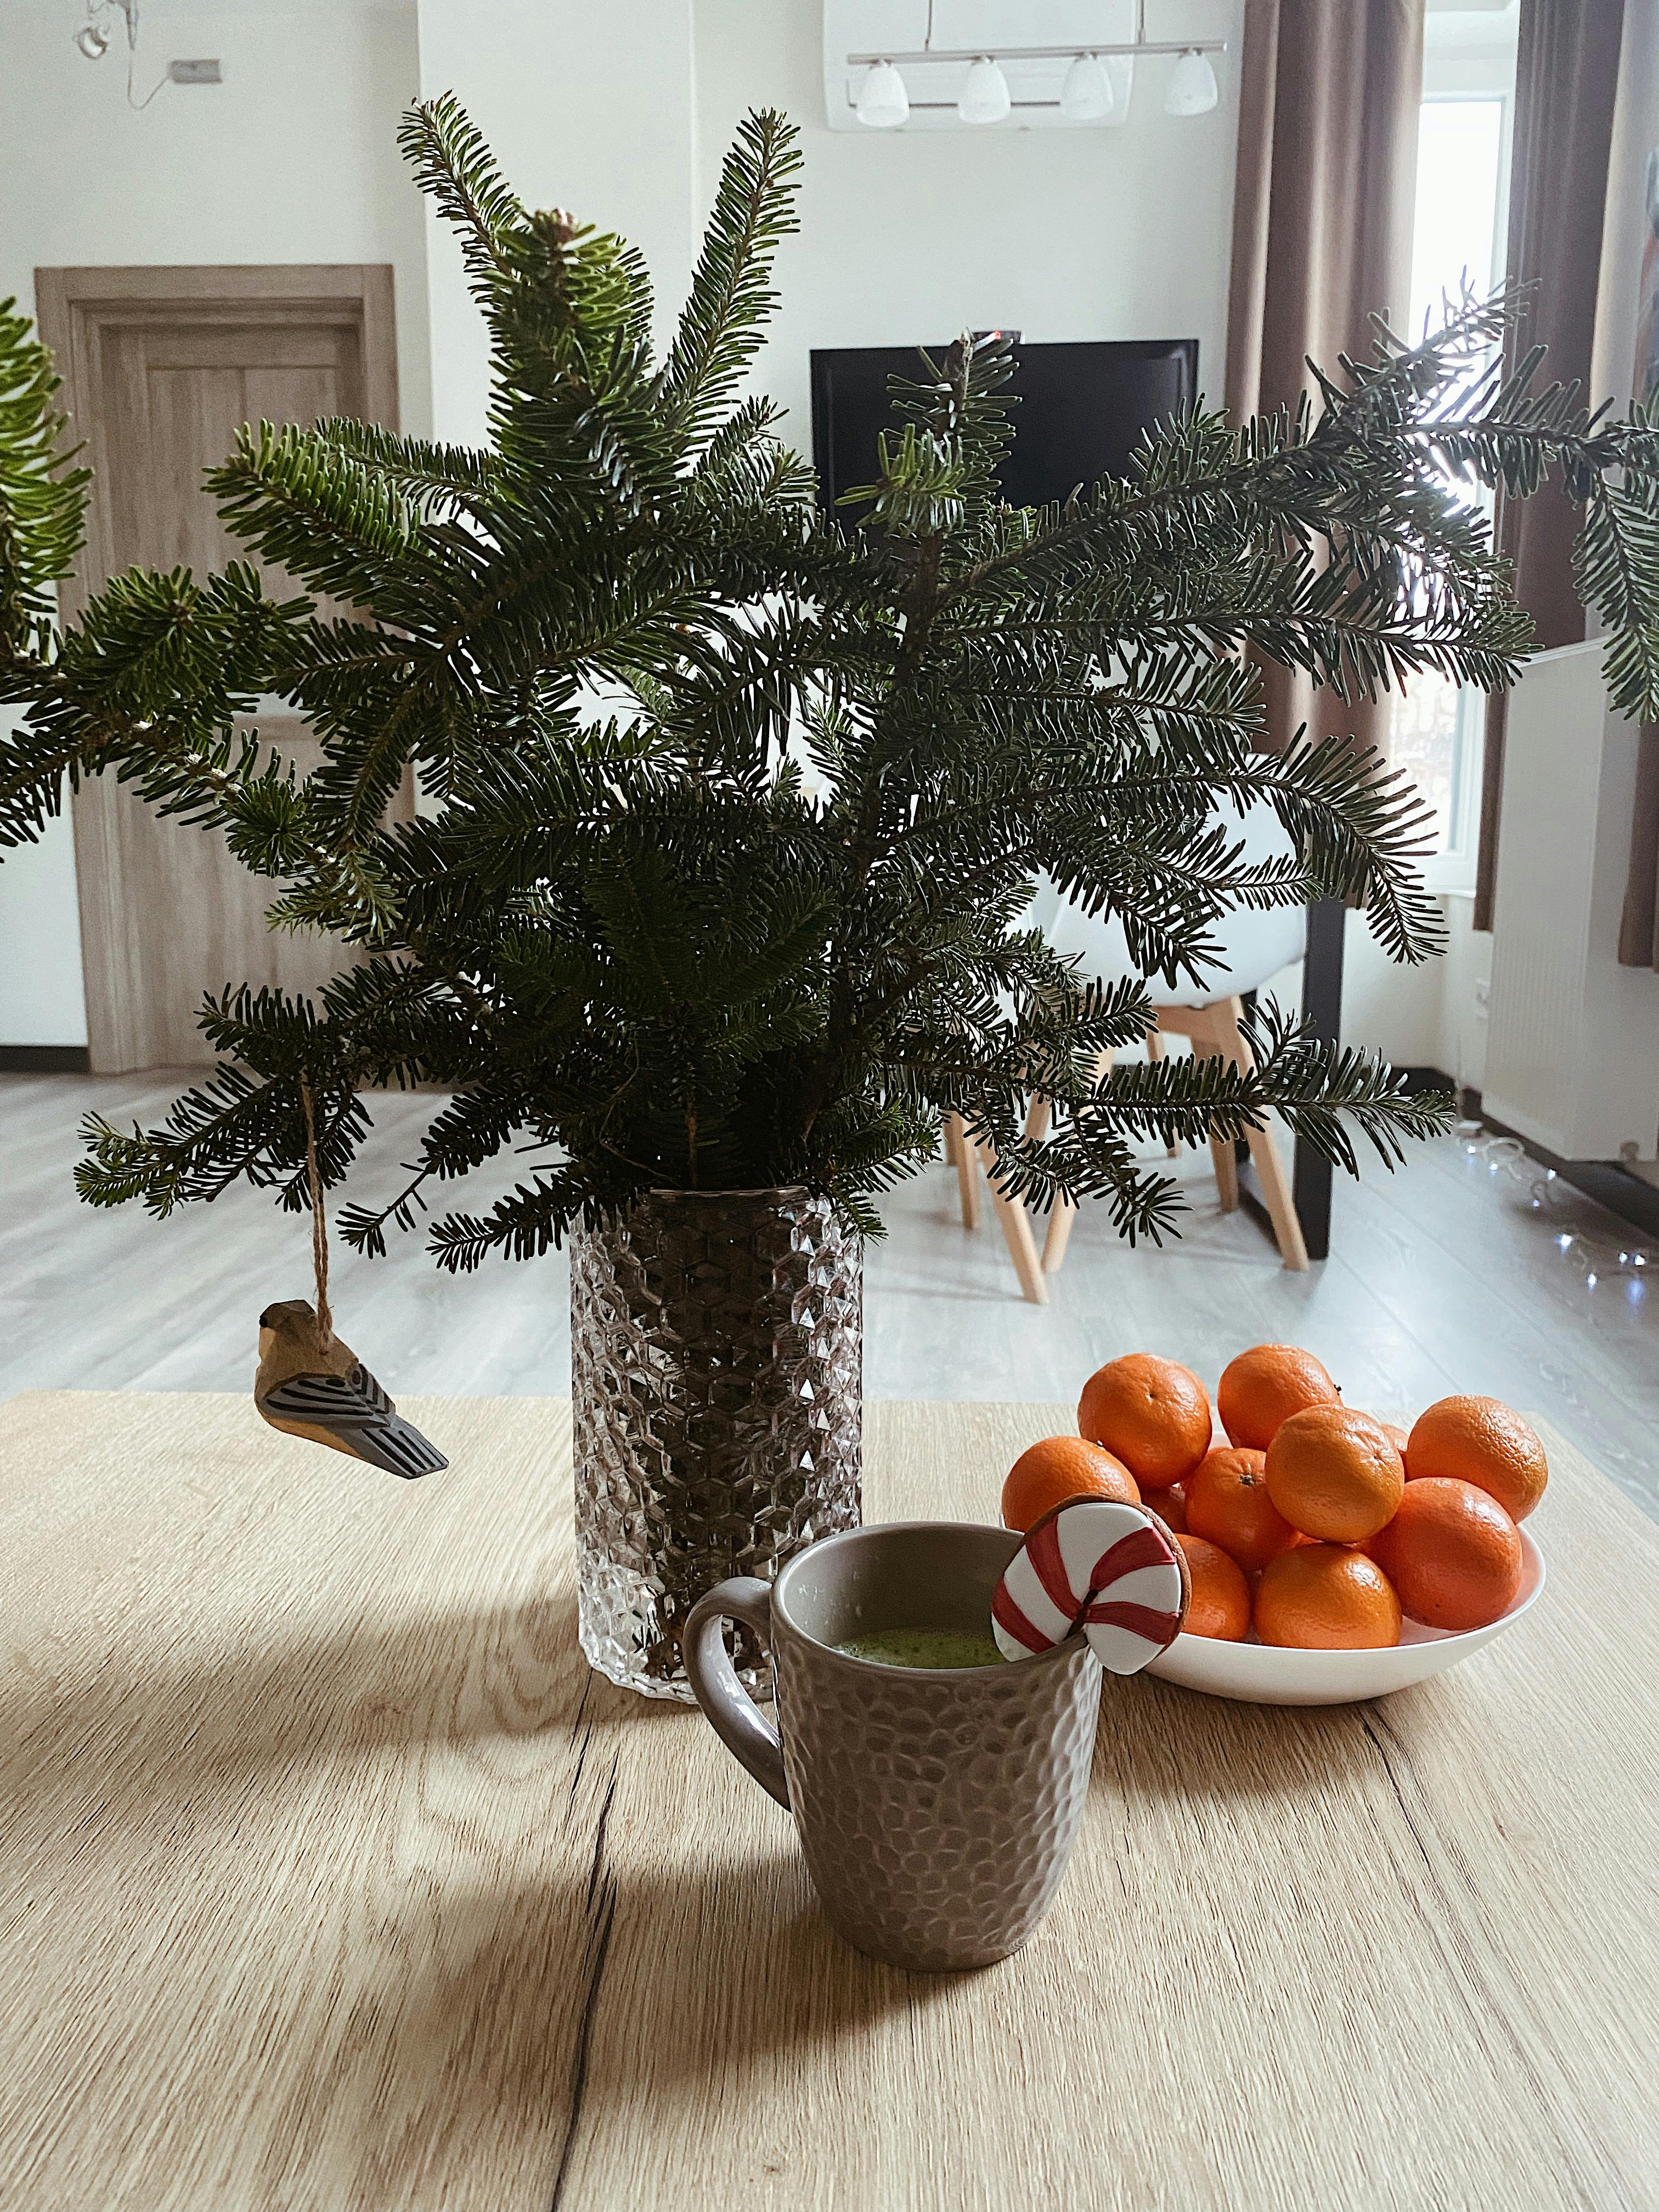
(936, 1806)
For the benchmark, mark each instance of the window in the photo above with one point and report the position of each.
(1462, 160)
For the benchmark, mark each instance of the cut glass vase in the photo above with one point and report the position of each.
(717, 1359)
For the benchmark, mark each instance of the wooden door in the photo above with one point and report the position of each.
(161, 368)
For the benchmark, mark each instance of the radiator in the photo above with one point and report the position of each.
(1572, 1049)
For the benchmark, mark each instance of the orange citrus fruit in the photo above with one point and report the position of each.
(1326, 1597)
(1169, 1504)
(1480, 1440)
(1397, 1436)
(1262, 1388)
(1453, 1553)
(1058, 1468)
(1227, 1503)
(1333, 1475)
(1152, 1414)
(1221, 1602)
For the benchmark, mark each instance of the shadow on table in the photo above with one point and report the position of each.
(190, 1711)
(660, 1982)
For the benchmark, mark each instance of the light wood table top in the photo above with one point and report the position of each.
(331, 1878)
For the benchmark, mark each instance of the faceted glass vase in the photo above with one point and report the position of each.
(717, 1370)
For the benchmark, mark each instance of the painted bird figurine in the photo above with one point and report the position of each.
(329, 1397)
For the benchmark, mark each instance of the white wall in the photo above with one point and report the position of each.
(1432, 1016)
(293, 158)
(907, 237)
(588, 108)
(624, 115)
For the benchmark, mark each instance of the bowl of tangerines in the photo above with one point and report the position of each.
(1330, 1556)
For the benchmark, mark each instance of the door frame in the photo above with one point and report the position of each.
(73, 309)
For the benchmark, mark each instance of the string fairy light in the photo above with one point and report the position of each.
(1596, 1258)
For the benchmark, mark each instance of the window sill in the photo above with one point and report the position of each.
(1449, 875)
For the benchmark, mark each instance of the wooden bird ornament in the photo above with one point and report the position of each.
(309, 1383)
(322, 1392)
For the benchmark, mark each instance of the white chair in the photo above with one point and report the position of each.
(1253, 947)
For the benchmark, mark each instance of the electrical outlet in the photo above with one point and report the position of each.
(204, 72)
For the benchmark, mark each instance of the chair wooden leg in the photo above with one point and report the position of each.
(1154, 1054)
(1264, 1152)
(967, 1170)
(1065, 1213)
(1226, 1172)
(1282, 1204)
(1059, 1237)
(1017, 1232)
(952, 1142)
(1038, 1116)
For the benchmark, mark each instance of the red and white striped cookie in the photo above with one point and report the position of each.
(1111, 1569)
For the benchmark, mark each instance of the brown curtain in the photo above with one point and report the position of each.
(1328, 97)
(1566, 83)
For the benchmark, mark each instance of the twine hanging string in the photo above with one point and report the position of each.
(319, 1222)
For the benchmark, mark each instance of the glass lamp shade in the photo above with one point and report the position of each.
(883, 102)
(1193, 88)
(1086, 94)
(985, 95)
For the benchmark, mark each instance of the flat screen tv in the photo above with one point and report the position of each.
(1083, 409)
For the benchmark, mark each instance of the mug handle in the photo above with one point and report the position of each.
(730, 1710)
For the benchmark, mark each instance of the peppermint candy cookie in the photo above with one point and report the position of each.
(1111, 1569)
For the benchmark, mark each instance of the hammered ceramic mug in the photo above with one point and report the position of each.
(936, 1806)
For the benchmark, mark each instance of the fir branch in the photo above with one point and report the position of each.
(731, 810)
(732, 298)
(41, 492)
(454, 166)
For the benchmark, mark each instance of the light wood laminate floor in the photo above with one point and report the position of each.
(1442, 1277)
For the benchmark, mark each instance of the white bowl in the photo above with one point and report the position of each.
(1270, 1674)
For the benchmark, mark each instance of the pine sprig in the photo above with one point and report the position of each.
(457, 171)
(732, 811)
(732, 297)
(42, 493)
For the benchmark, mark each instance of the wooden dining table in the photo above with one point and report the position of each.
(331, 1877)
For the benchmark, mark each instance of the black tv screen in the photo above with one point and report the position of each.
(1083, 409)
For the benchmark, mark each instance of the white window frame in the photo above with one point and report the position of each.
(1467, 74)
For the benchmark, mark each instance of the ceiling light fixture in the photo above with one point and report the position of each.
(985, 97)
(93, 39)
(1192, 88)
(885, 101)
(884, 104)
(1086, 94)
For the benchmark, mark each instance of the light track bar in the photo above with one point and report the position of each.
(1042, 53)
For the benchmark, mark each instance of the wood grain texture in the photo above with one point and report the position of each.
(161, 368)
(332, 1879)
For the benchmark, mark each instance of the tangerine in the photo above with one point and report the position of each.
(1152, 1414)
(1171, 1507)
(1058, 1468)
(1261, 1389)
(1480, 1440)
(1453, 1553)
(1333, 1475)
(1326, 1598)
(1227, 1503)
(1219, 1604)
